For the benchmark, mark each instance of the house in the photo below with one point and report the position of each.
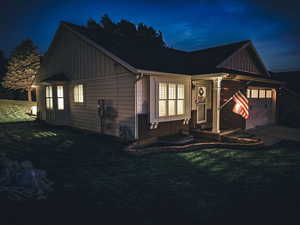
(88, 82)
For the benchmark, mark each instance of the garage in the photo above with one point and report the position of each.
(262, 106)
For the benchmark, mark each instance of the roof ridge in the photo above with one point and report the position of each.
(220, 46)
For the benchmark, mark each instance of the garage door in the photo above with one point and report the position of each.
(262, 107)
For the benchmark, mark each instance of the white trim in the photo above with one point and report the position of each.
(203, 103)
(211, 76)
(216, 105)
(154, 98)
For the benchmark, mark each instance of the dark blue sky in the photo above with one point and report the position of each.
(273, 26)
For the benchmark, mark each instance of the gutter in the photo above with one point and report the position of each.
(150, 72)
(258, 79)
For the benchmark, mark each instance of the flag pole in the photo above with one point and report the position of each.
(226, 102)
(222, 106)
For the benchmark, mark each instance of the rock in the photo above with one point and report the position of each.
(23, 181)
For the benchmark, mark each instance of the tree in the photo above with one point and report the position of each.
(107, 24)
(92, 24)
(22, 68)
(2, 65)
(125, 30)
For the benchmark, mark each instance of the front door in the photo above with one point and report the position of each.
(201, 104)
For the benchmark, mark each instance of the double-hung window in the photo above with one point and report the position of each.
(49, 97)
(60, 98)
(78, 93)
(171, 99)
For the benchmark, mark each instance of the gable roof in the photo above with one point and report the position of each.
(164, 59)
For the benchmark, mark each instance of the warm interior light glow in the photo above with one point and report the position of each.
(78, 93)
(60, 98)
(34, 110)
(49, 97)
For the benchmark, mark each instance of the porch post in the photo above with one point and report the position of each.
(216, 104)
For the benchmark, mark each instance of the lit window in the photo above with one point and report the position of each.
(171, 99)
(268, 93)
(254, 93)
(262, 93)
(49, 97)
(78, 93)
(180, 99)
(248, 93)
(162, 99)
(60, 97)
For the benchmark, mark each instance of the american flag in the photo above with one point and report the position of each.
(241, 106)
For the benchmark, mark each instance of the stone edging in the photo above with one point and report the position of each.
(133, 150)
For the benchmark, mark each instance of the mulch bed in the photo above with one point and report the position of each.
(136, 149)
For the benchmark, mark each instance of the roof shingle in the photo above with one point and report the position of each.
(164, 59)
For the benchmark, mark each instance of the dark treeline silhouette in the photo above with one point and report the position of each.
(128, 32)
(3, 62)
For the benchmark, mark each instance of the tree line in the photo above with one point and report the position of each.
(128, 32)
(18, 73)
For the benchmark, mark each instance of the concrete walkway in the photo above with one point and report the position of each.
(273, 134)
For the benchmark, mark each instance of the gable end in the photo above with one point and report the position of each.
(246, 59)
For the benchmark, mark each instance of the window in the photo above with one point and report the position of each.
(171, 99)
(268, 93)
(162, 99)
(248, 93)
(78, 93)
(262, 93)
(259, 93)
(180, 99)
(60, 97)
(254, 93)
(49, 97)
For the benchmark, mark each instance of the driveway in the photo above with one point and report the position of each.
(274, 133)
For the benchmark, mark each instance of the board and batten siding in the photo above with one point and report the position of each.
(102, 78)
(246, 61)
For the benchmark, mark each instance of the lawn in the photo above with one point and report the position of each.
(97, 183)
(15, 111)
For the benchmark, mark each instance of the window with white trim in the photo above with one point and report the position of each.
(60, 98)
(171, 99)
(49, 97)
(78, 93)
(268, 93)
(259, 93)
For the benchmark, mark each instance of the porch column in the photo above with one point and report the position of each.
(216, 104)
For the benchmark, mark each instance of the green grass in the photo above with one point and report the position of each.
(96, 181)
(15, 111)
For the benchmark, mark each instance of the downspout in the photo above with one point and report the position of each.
(136, 125)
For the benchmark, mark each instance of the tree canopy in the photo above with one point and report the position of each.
(22, 67)
(2, 64)
(125, 30)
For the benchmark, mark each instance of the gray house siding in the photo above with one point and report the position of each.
(101, 77)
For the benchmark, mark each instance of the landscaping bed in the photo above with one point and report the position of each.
(185, 143)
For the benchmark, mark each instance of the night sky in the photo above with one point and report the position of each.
(272, 25)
